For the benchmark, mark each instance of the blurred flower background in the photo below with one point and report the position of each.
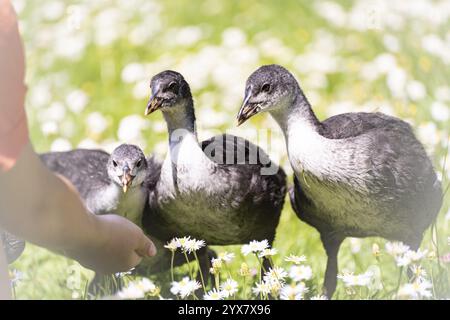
(88, 69)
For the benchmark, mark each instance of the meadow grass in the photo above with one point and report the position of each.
(89, 65)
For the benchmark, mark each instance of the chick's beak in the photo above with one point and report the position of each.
(154, 103)
(126, 179)
(247, 110)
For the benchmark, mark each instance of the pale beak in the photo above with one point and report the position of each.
(126, 179)
(154, 103)
(247, 109)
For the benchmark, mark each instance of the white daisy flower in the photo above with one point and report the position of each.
(173, 245)
(254, 247)
(293, 291)
(132, 291)
(268, 252)
(410, 256)
(192, 245)
(351, 280)
(396, 248)
(275, 275)
(416, 256)
(319, 297)
(229, 288)
(213, 295)
(181, 242)
(16, 276)
(138, 289)
(147, 285)
(185, 287)
(416, 290)
(300, 272)
(295, 259)
(226, 256)
(402, 261)
(418, 271)
(261, 288)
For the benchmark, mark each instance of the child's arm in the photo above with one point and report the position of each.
(41, 208)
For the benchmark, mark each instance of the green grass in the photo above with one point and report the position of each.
(302, 35)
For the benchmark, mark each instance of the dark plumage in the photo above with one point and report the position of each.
(12, 246)
(108, 184)
(99, 178)
(208, 190)
(356, 174)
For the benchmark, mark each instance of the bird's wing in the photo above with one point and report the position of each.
(353, 124)
(85, 169)
(153, 172)
(242, 162)
(396, 160)
(228, 149)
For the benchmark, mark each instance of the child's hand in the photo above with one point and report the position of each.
(122, 246)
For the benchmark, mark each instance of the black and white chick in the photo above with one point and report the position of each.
(214, 190)
(106, 183)
(356, 174)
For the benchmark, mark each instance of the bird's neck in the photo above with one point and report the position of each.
(308, 150)
(181, 122)
(184, 147)
(295, 113)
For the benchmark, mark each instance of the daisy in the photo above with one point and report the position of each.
(229, 288)
(275, 275)
(299, 273)
(295, 259)
(213, 295)
(396, 248)
(138, 289)
(402, 261)
(416, 256)
(410, 256)
(319, 297)
(226, 256)
(416, 290)
(293, 292)
(418, 271)
(16, 276)
(192, 245)
(173, 245)
(254, 247)
(261, 288)
(147, 285)
(132, 291)
(268, 252)
(185, 287)
(181, 242)
(351, 279)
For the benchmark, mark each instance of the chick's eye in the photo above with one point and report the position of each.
(173, 86)
(266, 87)
(114, 163)
(138, 164)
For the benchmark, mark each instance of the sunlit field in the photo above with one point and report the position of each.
(89, 64)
